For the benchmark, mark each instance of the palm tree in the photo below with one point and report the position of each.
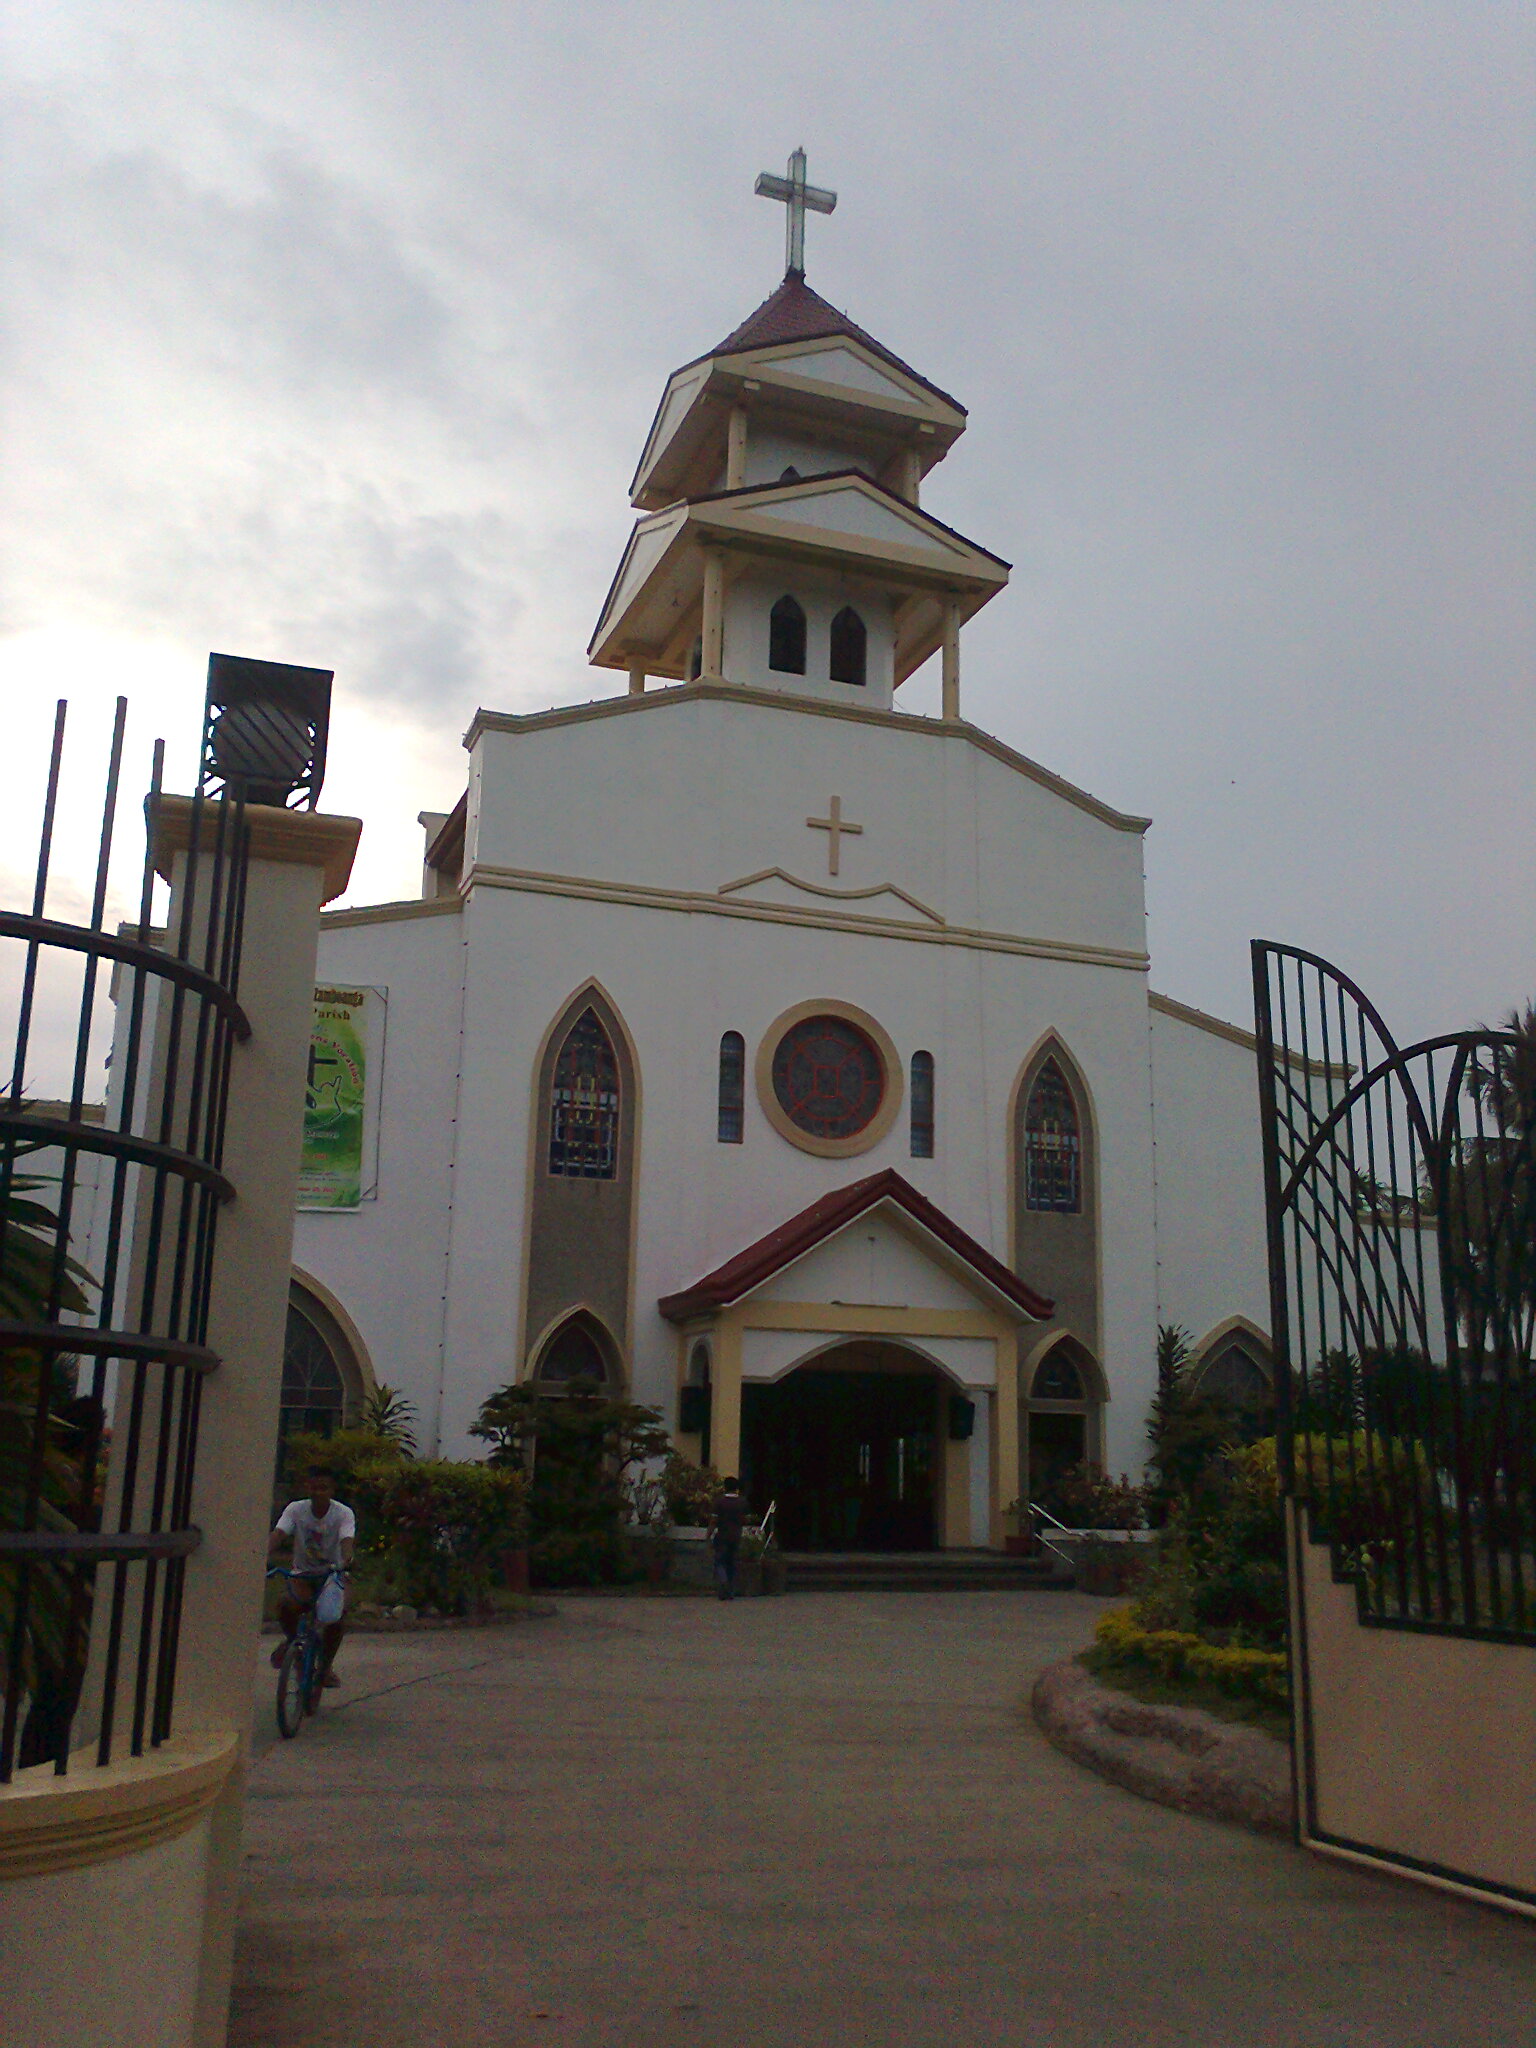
(387, 1413)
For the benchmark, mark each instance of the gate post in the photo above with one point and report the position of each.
(118, 1909)
(298, 861)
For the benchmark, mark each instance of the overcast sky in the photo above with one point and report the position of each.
(333, 331)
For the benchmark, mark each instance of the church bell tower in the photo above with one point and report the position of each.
(781, 543)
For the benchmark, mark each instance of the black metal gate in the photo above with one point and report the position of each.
(1401, 1203)
(94, 1536)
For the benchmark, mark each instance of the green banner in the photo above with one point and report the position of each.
(331, 1167)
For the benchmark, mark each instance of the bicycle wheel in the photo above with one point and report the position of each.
(290, 1691)
(314, 1673)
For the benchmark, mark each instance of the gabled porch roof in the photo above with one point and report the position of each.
(759, 1262)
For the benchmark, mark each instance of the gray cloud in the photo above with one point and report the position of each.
(336, 331)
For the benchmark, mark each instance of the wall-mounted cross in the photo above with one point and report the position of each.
(796, 196)
(834, 825)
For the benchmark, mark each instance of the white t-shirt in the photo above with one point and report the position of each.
(316, 1543)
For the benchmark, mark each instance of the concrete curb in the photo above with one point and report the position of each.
(1179, 1756)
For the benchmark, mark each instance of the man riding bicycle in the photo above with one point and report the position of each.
(322, 1531)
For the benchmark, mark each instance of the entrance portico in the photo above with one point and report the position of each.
(866, 1354)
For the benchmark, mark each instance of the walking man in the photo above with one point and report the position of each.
(725, 1526)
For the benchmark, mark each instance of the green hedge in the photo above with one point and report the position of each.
(436, 1530)
(430, 1531)
(1172, 1654)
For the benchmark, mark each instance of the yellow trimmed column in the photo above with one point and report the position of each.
(736, 449)
(714, 616)
(725, 1402)
(1005, 1434)
(951, 660)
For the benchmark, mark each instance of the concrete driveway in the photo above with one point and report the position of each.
(821, 1819)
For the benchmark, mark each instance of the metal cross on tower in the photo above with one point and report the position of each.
(797, 197)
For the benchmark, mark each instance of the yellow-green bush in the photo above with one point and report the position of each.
(1170, 1654)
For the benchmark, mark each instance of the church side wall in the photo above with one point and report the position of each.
(385, 1260)
(1212, 1262)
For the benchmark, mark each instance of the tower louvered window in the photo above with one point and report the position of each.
(1052, 1145)
(786, 637)
(584, 1104)
(850, 646)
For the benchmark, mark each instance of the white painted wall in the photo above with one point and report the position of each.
(1212, 1261)
(769, 454)
(386, 1260)
(873, 1263)
(691, 793)
(770, 1354)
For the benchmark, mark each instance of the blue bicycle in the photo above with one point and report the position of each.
(301, 1674)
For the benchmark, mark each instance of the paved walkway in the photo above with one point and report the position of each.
(790, 1823)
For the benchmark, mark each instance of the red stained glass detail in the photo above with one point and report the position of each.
(828, 1077)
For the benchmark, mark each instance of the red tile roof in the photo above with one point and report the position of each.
(802, 1233)
(795, 313)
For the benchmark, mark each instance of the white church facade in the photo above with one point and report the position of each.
(774, 1055)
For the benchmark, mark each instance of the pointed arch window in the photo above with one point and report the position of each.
(921, 1095)
(1052, 1145)
(790, 475)
(1235, 1377)
(584, 1104)
(733, 1088)
(786, 637)
(573, 1353)
(314, 1396)
(850, 647)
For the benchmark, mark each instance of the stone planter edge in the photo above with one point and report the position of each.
(1179, 1756)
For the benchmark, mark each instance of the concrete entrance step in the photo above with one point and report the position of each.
(921, 1571)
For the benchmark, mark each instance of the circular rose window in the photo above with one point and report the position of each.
(828, 1077)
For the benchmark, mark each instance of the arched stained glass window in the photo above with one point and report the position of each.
(786, 637)
(850, 644)
(1058, 1379)
(584, 1104)
(733, 1088)
(573, 1353)
(313, 1396)
(1236, 1377)
(922, 1105)
(1052, 1145)
(828, 1077)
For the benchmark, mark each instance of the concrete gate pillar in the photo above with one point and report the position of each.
(117, 1916)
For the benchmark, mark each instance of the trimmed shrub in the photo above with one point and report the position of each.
(1090, 1499)
(690, 1491)
(1173, 1654)
(1365, 1491)
(584, 1446)
(435, 1530)
(1219, 1566)
(346, 1453)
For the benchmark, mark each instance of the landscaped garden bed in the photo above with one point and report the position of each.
(1176, 1667)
